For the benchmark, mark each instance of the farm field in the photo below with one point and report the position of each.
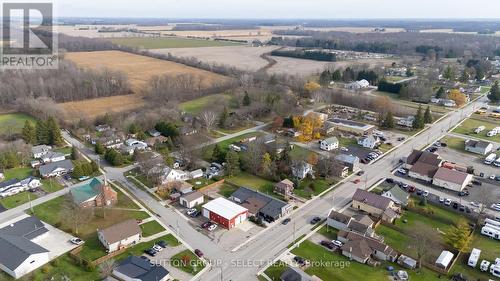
(12, 123)
(139, 69)
(197, 106)
(167, 42)
(242, 57)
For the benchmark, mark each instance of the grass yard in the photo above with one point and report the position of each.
(309, 187)
(224, 145)
(17, 200)
(275, 270)
(227, 189)
(333, 266)
(65, 150)
(138, 249)
(123, 200)
(329, 232)
(346, 142)
(92, 249)
(168, 42)
(197, 106)
(254, 182)
(455, 143)
(13, 123)
(51, 185)
(187, 261)
(467, 128)
(300, 153)
(151, 228)
(19, 173)
(490, 249)
(394, 79)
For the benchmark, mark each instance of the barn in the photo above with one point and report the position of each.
(225, 212)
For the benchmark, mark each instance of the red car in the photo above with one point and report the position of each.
(356, 181)
(198, 253)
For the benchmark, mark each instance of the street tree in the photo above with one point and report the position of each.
(428, 116)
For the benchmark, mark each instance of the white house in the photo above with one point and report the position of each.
(40, 150)
(358, 85)
(120, 235)
(300, 169)
(478, 147)
(132, 144)
(406, 122)
(19, 251)
(51, 157)
(15, 186)
(171, 175)
(369, 142)
(192, 199)
(56, 169)
(329, 144)
(451, 179)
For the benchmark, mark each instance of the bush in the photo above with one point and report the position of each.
(55, 263)
(45, 269)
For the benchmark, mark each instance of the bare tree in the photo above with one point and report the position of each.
(74, 215)
(106, 267)
(425, 239)
(209, 118)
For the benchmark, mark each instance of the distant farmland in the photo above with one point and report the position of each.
(168, 42)
(13, 122)
(139, 69)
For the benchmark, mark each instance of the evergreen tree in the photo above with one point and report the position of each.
(217, 154)
(42, 133)
(233, 163)
(133, 128)
(74, 153)
(494, 94)
(441, 93)
(325, 77)
(95, 167)
(29, 133)
(246, 99)
(419, 123)
(389, 120)
(409, 73)
(337, 75)
(223, 117)
(99, 148)
(428, 116)
(55, 136)
(77, 171)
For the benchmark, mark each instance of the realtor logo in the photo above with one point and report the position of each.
(28, 40)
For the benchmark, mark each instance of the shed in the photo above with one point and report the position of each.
(444, 260)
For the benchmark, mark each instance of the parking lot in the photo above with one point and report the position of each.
(163, 258)
(466, 159)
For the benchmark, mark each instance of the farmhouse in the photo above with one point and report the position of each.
(352, 126)
(136, 269)
(120, 235)
(94, 194)
(260, 204)
(19, 251)
(192, 199)
(225, 212)
(375, 205)
(451, 179)
(397, 195)
(132, 144)
(172, 175)
(40, 150)
(56, 169)
(329, 144)
(478, 147)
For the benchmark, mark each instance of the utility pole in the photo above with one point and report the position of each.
(31, 204)
(178, 228)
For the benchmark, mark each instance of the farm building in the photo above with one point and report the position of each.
(225, 212)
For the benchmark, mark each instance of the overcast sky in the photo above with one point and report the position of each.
(279, 9)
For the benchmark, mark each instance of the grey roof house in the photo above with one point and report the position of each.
(260, 204)
(135, 268)
(297, 274)
(56, 168)
(478, 147)
(397, 195)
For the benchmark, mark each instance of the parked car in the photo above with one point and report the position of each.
(492, 177)
(476, 182)
(447, 202)
(76, 241)
(495, 207)
(475, 204)
(481, 174)
(157, 248)
(315, 220)
(389, 180)
(360, 173)
(401, 171)
(419, 192)
(206, 224)
(328, 244)
(150, 252)
(198, 252)
(337, 243)
(299, 260)
(441, 200)
(212, 227)
(195, 214)
(455, 205)
(463, 193)
(162, 243)
(286, 221)
(191, 211)
(356, 181)
(411, 189)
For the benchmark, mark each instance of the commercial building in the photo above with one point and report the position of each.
(224, 212)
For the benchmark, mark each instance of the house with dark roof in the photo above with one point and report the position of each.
(136, 269)
(478, 147)
(120, 235)
(56, 169)
(302, 169)
(350, 161)
(260, 204)
(397, 195)
(423, 171)
(362, 248)
(422, 157)
(451, 179)
(19, 252)
(375, 205)
(15, 186)
(284, 187)
(94, 194)
(296, 274)
(360, 223)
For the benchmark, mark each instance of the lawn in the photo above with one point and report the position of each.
(196, 106)
(346, 142)
(13, 123)
(123, 200)
(275, 270)
(151, 228)
(168, 42)
(19, 173)
(254, 182)
(138, 249)
(329, 265)
(227, 189)
(18, 199)
(300, 153)
(92, 249)
(64, 150)
(490, 249)
(467, 128)
(455, 143)
(329, 232)
(224, 145)
(187, 262)
(63, 266)
(309, 187)
(51, 185)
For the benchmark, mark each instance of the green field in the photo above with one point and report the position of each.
(151, 228)
(13, 123)
(467, 128)
(187, 262)
(224, 145)
(168, 42)
(18, 199)
(253, 182)
(18, 173)
(51, 185)
(455, 143)
(309, 187)
(196, 106)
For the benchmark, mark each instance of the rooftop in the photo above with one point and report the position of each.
(121, 231)
(449, 175)
(371, 199)
(224, 208)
